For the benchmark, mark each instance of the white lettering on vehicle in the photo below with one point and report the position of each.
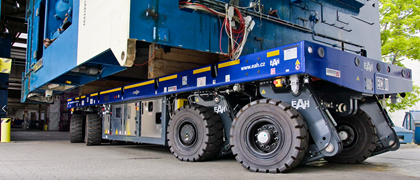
(368, 66)
(301, 103)
(274, 62)
(220, 109)
(257, 65)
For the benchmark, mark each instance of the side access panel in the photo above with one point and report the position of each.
(151, 122)
(106, 123)
(131, 119)
(116, 120)
(136, 121)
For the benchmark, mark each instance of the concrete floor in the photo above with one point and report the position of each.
(49, 155)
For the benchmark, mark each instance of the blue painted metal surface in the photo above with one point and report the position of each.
(282, 61)
(412, 122)
(345, 20)
(405, 136)
(64, 13)
(355, 22)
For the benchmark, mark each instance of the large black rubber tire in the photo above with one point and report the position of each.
(288, 151)
(77, 129)
(93, 129)
(208, 135)
(364, 143)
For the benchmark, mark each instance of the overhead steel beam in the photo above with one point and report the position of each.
(13, 88)
(15, 84)
(18, 53)
(19, 50)
(17, 56)
(15, 80)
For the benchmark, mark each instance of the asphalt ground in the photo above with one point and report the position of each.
(50, 155)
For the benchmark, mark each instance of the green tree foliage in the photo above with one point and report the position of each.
(402, 103)
(400, 27)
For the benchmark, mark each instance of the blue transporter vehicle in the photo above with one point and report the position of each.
(302, 84)
(303, 102)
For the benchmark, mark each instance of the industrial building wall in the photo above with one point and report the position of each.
(398, 116)
(54, 114)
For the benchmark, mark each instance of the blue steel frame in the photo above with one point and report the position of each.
(262, 65)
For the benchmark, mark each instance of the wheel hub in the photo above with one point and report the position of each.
(264, 137)
(267, 138)
(343, 135)
(347, 135)
(187, 134)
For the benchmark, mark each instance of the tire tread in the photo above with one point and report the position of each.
(94, 129)
(213, 134)
(301, 132)
(76, 128)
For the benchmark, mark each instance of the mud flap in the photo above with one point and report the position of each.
(388, 139)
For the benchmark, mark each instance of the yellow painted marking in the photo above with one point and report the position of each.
(83, 97)
(273, 53)
(139, 84)
(116, 132)
(5, 65)
(68, 100)
(127, 126)
(168, 78)
(230, 63)
(263, 92)
(94, 94)
(110, 91)
(6, 71)
(297, 62)
(77, 98)
(358, 79)
(198, 71)
(106, 131)
(181, 102)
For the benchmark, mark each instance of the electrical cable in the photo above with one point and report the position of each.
(234, 25)
(151, 57)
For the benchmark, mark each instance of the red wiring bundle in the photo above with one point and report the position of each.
(237, 33)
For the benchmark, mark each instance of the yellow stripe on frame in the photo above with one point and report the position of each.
(77, 98)
(110, 91)
(68, 100)
(83, 97)
(168, 78)
(230, 63)
(273, 53)
(139, 84)
(94, 94)
(198, 71)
